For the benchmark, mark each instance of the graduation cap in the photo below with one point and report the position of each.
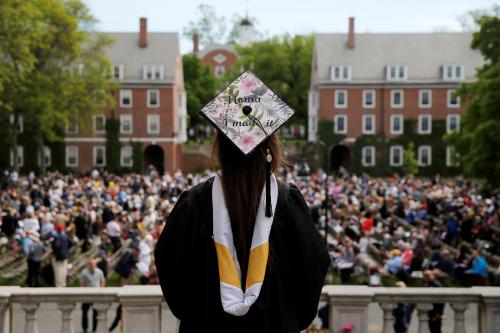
(247, 112)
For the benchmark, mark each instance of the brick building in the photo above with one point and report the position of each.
(150, 105)
(373, 93)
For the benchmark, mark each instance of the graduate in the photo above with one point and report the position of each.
(240, 252)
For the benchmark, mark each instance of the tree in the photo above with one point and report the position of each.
(470, 20)
(66, 80)
(410, 165)
(200, 86)
(284, 64)
(478, 140)
(210, 27)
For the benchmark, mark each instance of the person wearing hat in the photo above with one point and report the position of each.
(240, 252)
(61, 245)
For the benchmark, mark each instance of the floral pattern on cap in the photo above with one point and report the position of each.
(225, 112)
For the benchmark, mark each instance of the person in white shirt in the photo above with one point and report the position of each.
(113, 230)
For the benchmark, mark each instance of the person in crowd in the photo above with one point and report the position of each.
(402, 313)
(34, 250)
(127, 263)
(436, 313)
(61, 245)
(113, 230)
(478, 273)
(92, 277)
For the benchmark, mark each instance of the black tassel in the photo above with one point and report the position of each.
(269, 208)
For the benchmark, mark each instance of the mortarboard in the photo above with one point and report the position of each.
(247, 112)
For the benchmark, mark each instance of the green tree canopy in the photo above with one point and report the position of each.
(208, 25)
(200, 87)
(63, 77)
(284, 64)
(479, 138)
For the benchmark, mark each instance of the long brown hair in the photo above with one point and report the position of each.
(243, 179)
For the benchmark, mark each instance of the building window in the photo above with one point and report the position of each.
(126, 156)
(153, 98)
(72, 125)
(368, 126)
(99, 156)
(425, 124)
(99, 124)
(453, 99)
(219, 70)
(424, 155)
(126, 124)
(20, 156)
(20, 122)
(125, 98)
(153, 72)
(340, 99)
(118, 72)
(71, 156)
(396, 73)
(369, 99)
(368, 156)
(424, 98)
(340, 124)
(340, 73)
(397, 98)
(396, 124)
(396, 156)
(153, 124)
(451, 157)
(452, 123)
(47, 154)
(453, 72)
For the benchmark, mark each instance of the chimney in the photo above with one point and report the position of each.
(350, 38)
(143, 32)
(196, 43)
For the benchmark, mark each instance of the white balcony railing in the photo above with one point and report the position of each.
(144, 310)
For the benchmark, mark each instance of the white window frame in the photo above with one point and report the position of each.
(122, 93)
(451, 162)
(448, 123)
(130, 118)
(337, 105)
(153, 70)
(397, 106)
(20, 122)
(391, 156)
(47, 155)
(335, 128)
(121, 71)
(401, 130)
(94, 156)
(157, 98)
(420, 155)
(365, 92)
(150, 121)
(449, 94)
(364, 151)
(453, 77)
(122, 156)
(341, 72)
(20, 156)
(397, 77)
(363, 124)
(421, 96)
(219, 70)
(67, 157)
(420, 123)
(94, 124)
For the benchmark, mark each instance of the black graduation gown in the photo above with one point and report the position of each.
(186, 262)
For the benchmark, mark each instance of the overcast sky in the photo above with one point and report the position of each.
(293, 16)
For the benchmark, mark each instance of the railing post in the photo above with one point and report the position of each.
(4, 312)
(490, 309)
(388, 317)
(141, 309)
(67, 317)
(30, 309)
(349, 304)
(102, 315)
(459, 309)
(423, 317)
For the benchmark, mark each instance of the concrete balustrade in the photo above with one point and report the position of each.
(143, 307)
